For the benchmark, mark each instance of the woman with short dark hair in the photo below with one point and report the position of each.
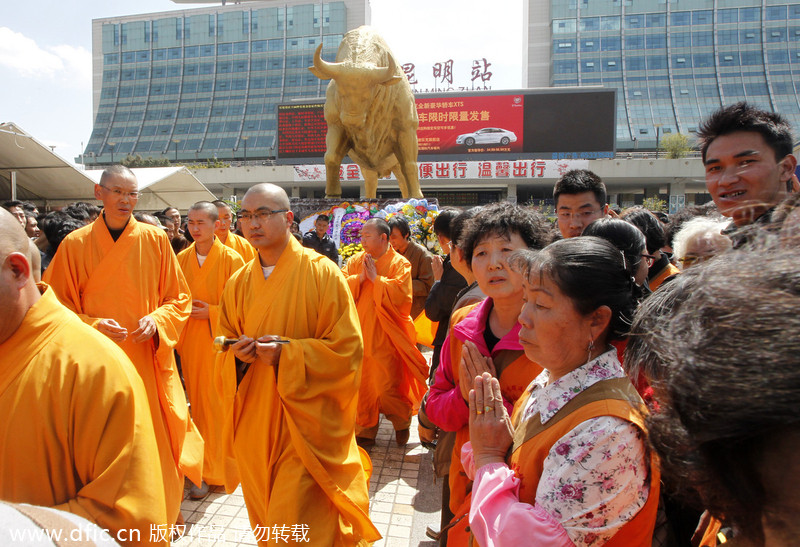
(483, 337)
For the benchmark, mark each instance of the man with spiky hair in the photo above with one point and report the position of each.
(747, 154)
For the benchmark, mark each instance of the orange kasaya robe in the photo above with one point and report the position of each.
(138, 275)
(293, 425)
(241, 246)
(76, 429)
(394, 371)
(197, 353)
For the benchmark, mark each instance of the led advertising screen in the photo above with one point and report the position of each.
(301, 130)
(568, 123)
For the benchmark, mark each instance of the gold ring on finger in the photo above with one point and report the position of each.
(478, 412)
(488, 408)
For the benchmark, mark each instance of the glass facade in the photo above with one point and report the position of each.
(676, 61)
(205, 83)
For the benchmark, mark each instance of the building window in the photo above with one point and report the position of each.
(634, 42)
(609, 23)
(749, 15)
(611, 43)
(700, 39)
(728, 37)
(728, 15)
(655, 20)
(634, 21)
(656, 41)
(590, 23)
(564, 26)
(681, 18)
(703, 17)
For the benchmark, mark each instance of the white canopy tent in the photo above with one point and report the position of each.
(31, 171)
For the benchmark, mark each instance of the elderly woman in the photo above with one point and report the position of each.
(484, 337)
(699, 239)
(571, 465)
(729, 426)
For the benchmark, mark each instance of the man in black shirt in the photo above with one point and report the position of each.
(319, 240)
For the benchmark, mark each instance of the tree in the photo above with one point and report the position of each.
(676, 145)
(138, 161)
(655, 204)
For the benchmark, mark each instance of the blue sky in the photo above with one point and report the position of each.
(46, 63)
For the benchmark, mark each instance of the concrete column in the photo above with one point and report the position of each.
(677, 196)
(296, 192)
(511, 195)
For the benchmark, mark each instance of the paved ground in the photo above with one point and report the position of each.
(404, 500)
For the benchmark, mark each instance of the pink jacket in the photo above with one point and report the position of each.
(446, 406)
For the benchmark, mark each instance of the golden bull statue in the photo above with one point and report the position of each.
(371, 114)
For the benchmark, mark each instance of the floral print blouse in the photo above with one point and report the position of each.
(595, 478)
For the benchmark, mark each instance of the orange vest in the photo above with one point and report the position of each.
(514, 372)
(656, 282)
(533, 441)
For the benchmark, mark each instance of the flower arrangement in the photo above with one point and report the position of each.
(346, 251)
(352, 222)
(420, 216)
(347, 219)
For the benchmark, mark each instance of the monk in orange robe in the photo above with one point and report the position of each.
(207, 264)
(394, 371)
(290, 383)
(77, 430)
(121, 277)
(228, 238)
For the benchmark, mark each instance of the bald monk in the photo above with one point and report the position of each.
(121, 277)
(207, 264)
(76, 429)
(292, 416)
(394, 375)
(35, 259)
(228, 238)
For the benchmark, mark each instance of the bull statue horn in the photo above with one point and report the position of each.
(323, 69)
(386, 75)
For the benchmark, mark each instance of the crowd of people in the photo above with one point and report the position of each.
(612, 378)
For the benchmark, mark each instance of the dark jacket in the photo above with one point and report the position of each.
(440, 300)
(325, 246)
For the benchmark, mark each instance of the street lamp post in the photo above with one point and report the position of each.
(658, 134)
(244, 139)
(111, 145)
(176, 141)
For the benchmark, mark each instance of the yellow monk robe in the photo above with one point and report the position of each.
(138, 275)
(394, 371)
(293, 427)
(76, 429)
(241, 246)
(197, 354)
